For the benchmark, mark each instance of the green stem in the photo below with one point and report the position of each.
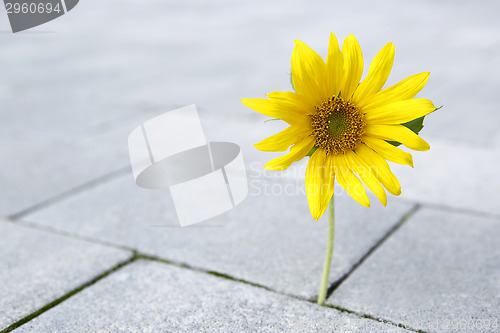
(329, 252)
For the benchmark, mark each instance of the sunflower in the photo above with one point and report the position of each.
(347, 127)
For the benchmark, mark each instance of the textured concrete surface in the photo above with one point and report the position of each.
(270, 239)
(37, 267)
(429, 276)
(38, 166)
(457, 176)
(72, 89)
(37, 171)
(184, 301)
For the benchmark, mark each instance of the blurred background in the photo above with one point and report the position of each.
(72, 89)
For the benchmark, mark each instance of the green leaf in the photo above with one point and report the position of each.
(415, 125)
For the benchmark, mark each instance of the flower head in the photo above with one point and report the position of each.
(347, 127)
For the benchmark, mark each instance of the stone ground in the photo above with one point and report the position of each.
(84, 249)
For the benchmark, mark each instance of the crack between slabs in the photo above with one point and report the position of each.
(344, 277)
(61, 299)
(464, 211)
(71, 192)
(231, 278)
(137, 256)
(201, 270)
(381, 241)
(451, 209)
(55, 231)
(367, 316)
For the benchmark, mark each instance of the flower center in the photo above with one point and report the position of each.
(337, 125)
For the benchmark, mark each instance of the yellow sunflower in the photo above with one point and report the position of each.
(345, 125)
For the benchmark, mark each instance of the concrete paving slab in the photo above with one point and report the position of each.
(68, 80)
(438, 273)
(37, 171)
(269, 239)
(153, 58)
(54, 86)
(459, 176)
(37, 267)
(180, 300)
(38, 166)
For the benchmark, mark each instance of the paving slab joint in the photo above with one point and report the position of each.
(71, 192)
(61, 299)
(45, 228)
(462, 211)
(231, 278)
(391, 231)
(367, 316)
(214, 273)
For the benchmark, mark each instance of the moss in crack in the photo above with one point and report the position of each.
(367, 316)
(214, 273)
(68, 295)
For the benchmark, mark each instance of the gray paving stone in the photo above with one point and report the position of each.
(34, 172)
(37, 166)
(269, 239)
(153, 297)
(55, 87)
(37, 267)
(246, 50)
(454, 175)
(438, 273)
(67, 85)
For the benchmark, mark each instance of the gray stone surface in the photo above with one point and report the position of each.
(213, 54)
(66, 80)
(36, 172)
(39, 166)
(438, 273)
(72, 89)
(270, 238)
(180, 300)
(37, 267)
(454, 175)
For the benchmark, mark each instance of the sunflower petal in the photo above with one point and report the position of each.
(388, 151)
(350, 182)
(297, 152)
(268, 108)
(398, 133)
(399, 112)
(291, 101)
(366, 174)
(262, 105)
(334, 67)
(319, 183)
(308, 73)
(380, 168)
(353, 66)
(406, 89)
(328, 184)
(283, 140)
(378, 74)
